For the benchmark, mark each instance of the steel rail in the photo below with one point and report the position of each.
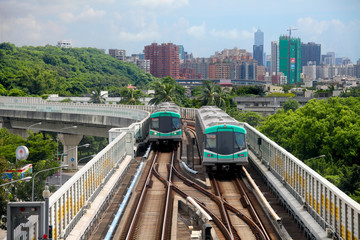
(251, 209)
(141, 200)
(167, 201)
(223, 211)
(212, 196)
(215, 218)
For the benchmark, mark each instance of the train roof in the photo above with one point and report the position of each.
(167, 106)
(212, 116)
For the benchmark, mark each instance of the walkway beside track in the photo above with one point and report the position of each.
(311, 226)
(87, 221)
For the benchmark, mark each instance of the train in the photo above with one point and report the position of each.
(166, 126)
(221, 139)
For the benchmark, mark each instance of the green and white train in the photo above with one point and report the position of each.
(165, 125)
(221, 139)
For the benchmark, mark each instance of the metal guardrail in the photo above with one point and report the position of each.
(37, 104)
(68, 202)
(335, 211)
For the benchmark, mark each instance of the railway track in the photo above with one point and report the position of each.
(149, 213)
(149, 218)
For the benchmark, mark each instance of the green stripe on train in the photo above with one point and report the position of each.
(212, 155)
(222, 128)
(164, 114)
(177, 133)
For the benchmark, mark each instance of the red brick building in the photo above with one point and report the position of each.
(164, 59)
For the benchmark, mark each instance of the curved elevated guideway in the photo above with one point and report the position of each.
(318, 206)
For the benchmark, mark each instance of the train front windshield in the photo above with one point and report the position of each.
(166, 124)
(225, 143)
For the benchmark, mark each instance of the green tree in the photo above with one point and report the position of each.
(3, 91)
(96, 96)
(252, 118)
(352, 92)
(16, 93)
(42, 150)
(208, 94)
(248, 91)
(291, 104)
(67, 72)
(130, 96)
(214, 95)
(330, 128)
(167, 90)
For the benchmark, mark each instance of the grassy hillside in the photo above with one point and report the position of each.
(68, 72)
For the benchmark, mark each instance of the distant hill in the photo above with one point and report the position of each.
(65, 71)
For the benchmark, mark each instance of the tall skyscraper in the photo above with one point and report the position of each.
(310, 52)
(164, 59)
(290, 58)
(274, 57)
(259, 38)
(258, 48)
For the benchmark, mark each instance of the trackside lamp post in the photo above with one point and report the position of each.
(23, 179)
(46, 196)
(32, 190)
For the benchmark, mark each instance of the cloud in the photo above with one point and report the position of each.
(138, 37)
(87, 14)
(334, 35)
(162, 3)
(197, 31)
(232, 34)
(312, 26)
(28, 30)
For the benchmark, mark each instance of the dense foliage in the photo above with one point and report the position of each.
(248, 91)
(167, 90)
(330, 128)
(352, 92)
(42, 151)
(64, 71)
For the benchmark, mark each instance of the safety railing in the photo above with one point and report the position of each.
(335, 211)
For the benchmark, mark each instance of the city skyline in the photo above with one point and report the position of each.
(202, 27)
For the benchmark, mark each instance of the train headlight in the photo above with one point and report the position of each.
(154, 133)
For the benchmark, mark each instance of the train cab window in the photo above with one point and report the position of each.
(239, 143)
(176, 123)
(225, 142)
(210, 141)
(165, 124)
(155, 123)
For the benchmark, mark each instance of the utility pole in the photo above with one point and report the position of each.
(289, 30)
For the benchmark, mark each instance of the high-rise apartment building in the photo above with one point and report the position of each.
(258, 48)
(290, 58)
(310, 52)
(274, 58)
(219, 71)
(164, 59)
(247, 70)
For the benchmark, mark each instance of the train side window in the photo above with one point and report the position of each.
(210, 142)
(155, 123)
(176, 123)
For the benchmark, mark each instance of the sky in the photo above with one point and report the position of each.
(201, 26)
